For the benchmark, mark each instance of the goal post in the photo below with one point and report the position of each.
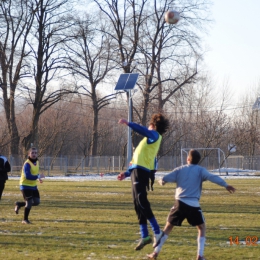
(210, 157)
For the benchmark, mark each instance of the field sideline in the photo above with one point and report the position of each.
(95, 220)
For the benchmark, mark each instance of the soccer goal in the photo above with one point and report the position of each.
(211, 158)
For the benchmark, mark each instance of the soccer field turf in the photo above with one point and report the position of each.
(96, 220)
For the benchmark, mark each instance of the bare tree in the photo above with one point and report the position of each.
(16, 19)
(89, 55)
(246, 134)
(4, 136)
(170, 53)
(166, 57)
(212, 122)
(84, 135)
(126, 18)
(165, 54)
(52, 17)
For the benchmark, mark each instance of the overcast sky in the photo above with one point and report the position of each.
(234, 43)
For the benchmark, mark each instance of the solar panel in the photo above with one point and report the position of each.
(126, 81)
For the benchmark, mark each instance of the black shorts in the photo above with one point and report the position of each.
(180, 211)
(30, 194)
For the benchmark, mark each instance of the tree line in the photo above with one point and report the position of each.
(60, 61)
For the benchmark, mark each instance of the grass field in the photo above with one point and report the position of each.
(95, 220)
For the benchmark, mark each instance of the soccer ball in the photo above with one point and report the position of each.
(172, 17)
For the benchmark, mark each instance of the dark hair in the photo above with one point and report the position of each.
(160, 123)
(194, 156)
(32, 149)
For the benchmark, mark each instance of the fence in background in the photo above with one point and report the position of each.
(104, 164)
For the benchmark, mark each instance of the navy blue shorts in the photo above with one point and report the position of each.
(181, 211)
(30, 194)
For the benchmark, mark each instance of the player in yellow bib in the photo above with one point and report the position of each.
(28, 184)
(141, 166)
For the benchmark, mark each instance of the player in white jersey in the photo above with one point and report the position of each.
(188, 179)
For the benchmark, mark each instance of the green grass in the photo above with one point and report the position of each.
(95, 220)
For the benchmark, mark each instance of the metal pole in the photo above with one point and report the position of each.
(82, 166)
(119, 163)
(129, 142)
(49, 160)
(181, 157)
(219, 161)
(11, 163)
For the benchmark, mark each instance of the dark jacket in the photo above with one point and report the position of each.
(4, 168)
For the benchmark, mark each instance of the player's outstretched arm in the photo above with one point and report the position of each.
(161, 182)
(123, 121)
(230, 189)
(121, 176)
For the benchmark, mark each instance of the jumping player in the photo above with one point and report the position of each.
(141, 165)
(188, 180)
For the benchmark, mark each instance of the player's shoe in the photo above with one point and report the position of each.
(157, 239)
(200, 258)
(143, 242)
(16, 209)
(26, 222)
(153, 256)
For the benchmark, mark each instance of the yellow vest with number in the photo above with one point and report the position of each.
(145, 153)
(34, 171)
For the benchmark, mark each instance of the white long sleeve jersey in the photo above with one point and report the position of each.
(189, 180)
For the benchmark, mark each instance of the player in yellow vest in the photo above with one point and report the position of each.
(141, 165)
(28, 184)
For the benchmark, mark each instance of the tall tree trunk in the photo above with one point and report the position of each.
(32, 138)
(15, 138)
(10, 119)
(94, 141)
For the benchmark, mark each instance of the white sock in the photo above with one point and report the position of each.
(159, 247)
(201, 244)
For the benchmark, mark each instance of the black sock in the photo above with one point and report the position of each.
(20, 204)
(26, 213)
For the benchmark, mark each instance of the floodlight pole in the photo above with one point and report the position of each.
(126, 82)
(129, 142)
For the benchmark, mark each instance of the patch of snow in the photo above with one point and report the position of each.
(158, 175)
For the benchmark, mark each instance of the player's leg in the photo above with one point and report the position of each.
(32, 198)
(36, 198)
(140, 178)
(2, 186)
(138, 194)
(141, 181)
(197, 219)
(201, 241)
(19, 204)
(145, 237)
(166, 231)
(28, 197)
(175, 218)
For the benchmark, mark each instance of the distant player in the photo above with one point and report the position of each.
(28, 184)
(188, 179)
(4, 169)
(142, 167)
